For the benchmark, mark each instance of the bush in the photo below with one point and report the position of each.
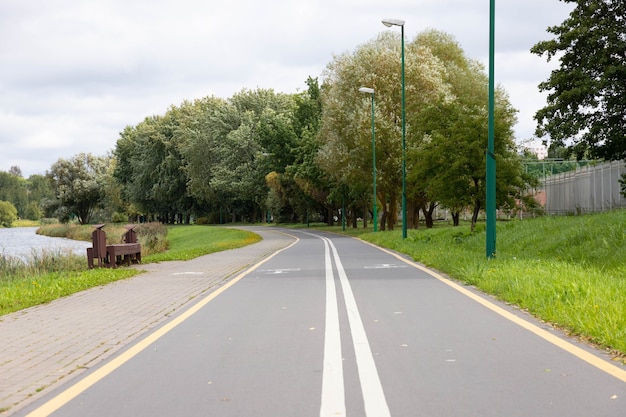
(152, 237)
(119, 218)
(8, 214)
(32, 211)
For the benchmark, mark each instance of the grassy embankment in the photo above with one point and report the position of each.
(569, 271)
(48, 276)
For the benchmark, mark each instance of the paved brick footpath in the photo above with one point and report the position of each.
(43, 345)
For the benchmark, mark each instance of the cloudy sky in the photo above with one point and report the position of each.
(74, 73)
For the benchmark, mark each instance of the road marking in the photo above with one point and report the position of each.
(373, 395)
(384, 266)
(580, 353)
(78, 388)
(333, 395)
(279, 271)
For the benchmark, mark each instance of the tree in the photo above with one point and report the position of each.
(79, 183)
(13, 189)
(346, 153)
(586, 104)
(16, 170)
(305, 185)
(231, 145)
(8, 214)
(450, 137)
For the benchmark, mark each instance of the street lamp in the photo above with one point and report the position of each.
(370, 91)
(490, 180)
(389, 23)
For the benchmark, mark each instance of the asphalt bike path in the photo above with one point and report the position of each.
(332, 326)
(46, 345)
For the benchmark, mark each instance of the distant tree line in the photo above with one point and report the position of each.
(262, 155)
(297, 157)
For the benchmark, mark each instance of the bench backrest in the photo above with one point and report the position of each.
(99, 241)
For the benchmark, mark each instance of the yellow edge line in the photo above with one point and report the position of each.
(544, 334)
(72, 392)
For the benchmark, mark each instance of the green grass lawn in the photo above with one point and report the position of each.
(188, 242)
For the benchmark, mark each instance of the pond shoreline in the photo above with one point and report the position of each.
(23, 242)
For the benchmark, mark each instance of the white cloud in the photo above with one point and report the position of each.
(76, 72)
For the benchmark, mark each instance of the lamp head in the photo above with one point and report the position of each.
(393, 22)
(366, 90)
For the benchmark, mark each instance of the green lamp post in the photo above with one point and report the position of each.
(490, 180)
(389, 23)
(370, 91)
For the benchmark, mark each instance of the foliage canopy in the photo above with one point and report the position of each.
(586, 104)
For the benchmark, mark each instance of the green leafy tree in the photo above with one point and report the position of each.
(586, 105)
(79, 183)
(151, 168)
(306, 186)
(450, 137)
(232, 144)
(346, 153)
(13, 189)
(33, 212)
(8, 214)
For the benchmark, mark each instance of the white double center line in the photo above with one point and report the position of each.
(333, 395)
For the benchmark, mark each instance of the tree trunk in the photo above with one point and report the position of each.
(456, 216)
(366, 213)
(475, 214)
(428, 214)
(476, 204)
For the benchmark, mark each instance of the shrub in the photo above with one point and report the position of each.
(152, 237)
(119, 217)
(8, 214)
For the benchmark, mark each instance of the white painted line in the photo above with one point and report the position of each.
(279, 271)
(384, 266)
(373, 394)
(333, 396)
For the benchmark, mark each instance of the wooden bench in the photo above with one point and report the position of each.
(110, 255)
(126, 252)
(98, 250)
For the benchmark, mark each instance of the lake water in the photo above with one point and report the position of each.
(23, 241)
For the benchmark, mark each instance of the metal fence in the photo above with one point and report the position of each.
(588, 189)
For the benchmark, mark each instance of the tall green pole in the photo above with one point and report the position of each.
(370, 91)
(490, 209)
(374, 168)
(404, 219)
(343, 209)
(389, 23)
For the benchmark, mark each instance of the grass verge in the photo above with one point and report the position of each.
(188, 242)
(17, 294)
(569, 271)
